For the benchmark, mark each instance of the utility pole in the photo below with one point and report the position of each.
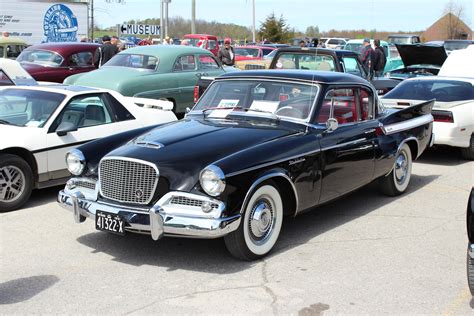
(166, 19)
(92, 19)
(193, 17)
(253, 19)
(161, 21)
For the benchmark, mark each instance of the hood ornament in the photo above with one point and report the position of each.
(148, 144)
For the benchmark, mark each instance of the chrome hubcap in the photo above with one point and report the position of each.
(401, 167)
(12, 183)
(261, 220)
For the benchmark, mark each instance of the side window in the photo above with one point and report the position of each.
(339, 104)
(212, 44)
(352, 66)
(120, 113)
(266, 51)
(81, 59)
(366, 104)
(185, 63)
(85, 111)
(207, 62)
(4, 80)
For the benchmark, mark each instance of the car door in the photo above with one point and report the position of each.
(95, 115)
(348, 151)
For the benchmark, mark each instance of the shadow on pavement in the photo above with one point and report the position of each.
(20, 290)
(211, 255)
(443, 156)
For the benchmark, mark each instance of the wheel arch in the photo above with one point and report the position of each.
(26, 155)
(413, 144)
(285, 187)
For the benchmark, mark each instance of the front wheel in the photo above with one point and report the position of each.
(16, 182)
(470, 272)
(396, 182)
(260, 225)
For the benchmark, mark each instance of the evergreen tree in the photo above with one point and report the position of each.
(275, 30)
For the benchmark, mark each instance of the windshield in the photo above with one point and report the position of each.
(250, 97)
(455, 45)
(353, 47)
(27, 107)
(248, 52)
(304, 61)
(193, 41)
(133, 61)
(441, 90)
(42, 57)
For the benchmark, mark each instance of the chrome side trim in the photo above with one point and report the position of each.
(410, 139)
(132, 160)
(262, 179)
(403, 126)
(354, 142)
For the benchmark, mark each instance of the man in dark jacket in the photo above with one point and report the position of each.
(380, 59)
(367, 56)
(105, 52)
(226, 54)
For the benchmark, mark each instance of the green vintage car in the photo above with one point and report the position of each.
(155, 71)
(393, 57)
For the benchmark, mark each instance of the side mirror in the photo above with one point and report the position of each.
(331, 125)
(65, 127)
(188, 109)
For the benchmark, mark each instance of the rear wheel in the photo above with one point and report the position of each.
(397, 181)
(468, 153)
(260, 225)
(16, 182)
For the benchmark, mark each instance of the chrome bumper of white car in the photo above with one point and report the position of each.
(163, 218)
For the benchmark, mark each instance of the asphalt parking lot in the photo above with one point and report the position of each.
(362, 254)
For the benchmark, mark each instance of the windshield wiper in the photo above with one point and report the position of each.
(221, 108)
(274, 116)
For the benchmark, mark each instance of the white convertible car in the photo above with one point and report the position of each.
(453, 111)
(39, 124)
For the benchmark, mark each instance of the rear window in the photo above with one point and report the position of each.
(133, 61)
(441, 90)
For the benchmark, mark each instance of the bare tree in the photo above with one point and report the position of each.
(454, 13)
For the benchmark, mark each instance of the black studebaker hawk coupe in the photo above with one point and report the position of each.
(258, 146)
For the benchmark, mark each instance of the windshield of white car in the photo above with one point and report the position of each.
(133, 61)
(441, 90)
(24, 107)
(41, 57)
(263, 98)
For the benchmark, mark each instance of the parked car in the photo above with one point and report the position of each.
(11, 74)
(335, 42)
(40, 124)
(211, 42)
(244, 54)
(403, 39)
(11, 47)
(155, 71)
(258, 146)
(55, 62)
(254, 64)
(393, 57)
(451, 45)
(418, 60)
(470, 245)
(453, 110)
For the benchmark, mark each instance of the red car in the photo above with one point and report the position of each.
(251, 52)
(207, 41)
(56, 61)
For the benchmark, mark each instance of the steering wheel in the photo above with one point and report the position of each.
(299, 113)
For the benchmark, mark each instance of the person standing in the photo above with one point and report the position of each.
(105, 52)
(226, 54)
(368, 57)
(380, 59)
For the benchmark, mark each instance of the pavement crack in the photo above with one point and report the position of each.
(267, 289)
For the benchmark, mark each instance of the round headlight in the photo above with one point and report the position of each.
(76, 162)
(212, 180)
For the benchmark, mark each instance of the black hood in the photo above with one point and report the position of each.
(419, 54)
(183, 148)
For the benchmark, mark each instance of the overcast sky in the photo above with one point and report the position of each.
(382, 15)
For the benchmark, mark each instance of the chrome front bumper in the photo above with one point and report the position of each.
(161, 219)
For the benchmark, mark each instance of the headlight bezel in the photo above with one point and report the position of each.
(214, 174)
(79, 159)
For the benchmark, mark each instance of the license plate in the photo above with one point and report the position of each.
(109, 222)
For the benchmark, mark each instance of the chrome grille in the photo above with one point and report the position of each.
(181, 200)
(127, 180)
(86, 185)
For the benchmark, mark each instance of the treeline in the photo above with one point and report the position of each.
(179, 26)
